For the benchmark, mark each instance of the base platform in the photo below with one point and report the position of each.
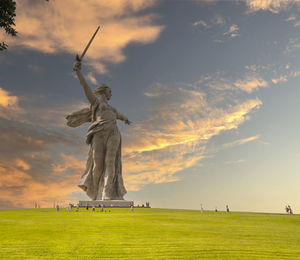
(106, 203)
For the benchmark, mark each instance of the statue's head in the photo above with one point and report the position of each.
(103, 90)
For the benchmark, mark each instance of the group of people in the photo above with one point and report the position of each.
(216, 209)
(288, 209)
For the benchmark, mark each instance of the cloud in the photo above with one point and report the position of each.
(9, 105)
(175, 134)
(233, 31)
(248, 83)
(241, 141)
(282, 78)
(251, 83)
(234, 162)
(91, 78)
(274, 6)
(202, 23)
(217, 20)
(158, 89)
(66, 27)
(18, 181)
(293, 44)
(6, 99)
(291, 18)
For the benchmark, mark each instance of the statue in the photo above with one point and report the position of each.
(102, 179)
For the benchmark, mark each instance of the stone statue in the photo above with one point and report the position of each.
(102, 179)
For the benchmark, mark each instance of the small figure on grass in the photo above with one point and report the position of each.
(227, 208)
(290, 210)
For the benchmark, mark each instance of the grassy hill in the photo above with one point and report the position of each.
(147, 234)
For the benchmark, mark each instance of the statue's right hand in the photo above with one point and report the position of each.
(77, 66)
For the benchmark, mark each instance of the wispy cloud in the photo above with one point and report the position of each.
(251, 83)
(241, 141)
(293, 20)
(202, 23)
(248, 83)
(91, 78)
(282, 78)
(233, 31)
(217, 20)
(293, 44)
(157, 90)
(235, 162)
(66, 26)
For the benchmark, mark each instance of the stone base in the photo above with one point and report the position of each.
(106, 203)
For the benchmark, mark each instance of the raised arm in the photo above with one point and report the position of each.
(87, 91)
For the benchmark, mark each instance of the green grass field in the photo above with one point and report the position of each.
(147, 234)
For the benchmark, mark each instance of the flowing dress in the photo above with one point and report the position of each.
(102, 178)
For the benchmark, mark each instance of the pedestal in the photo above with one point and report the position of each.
(106, 203)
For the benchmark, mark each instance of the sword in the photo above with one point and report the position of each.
(88, 45)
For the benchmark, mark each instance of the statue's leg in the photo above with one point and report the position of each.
(98, 158)
(112, 147)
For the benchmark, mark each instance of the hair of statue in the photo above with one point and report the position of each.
(101, 89)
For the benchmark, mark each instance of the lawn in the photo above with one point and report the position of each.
(147, 234)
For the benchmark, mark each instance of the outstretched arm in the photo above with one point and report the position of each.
(87, 91)
(123, 118)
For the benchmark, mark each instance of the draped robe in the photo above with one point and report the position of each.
(102, 178)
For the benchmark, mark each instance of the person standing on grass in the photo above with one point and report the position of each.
(290, 209)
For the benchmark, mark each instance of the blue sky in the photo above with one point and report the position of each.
(211, 86)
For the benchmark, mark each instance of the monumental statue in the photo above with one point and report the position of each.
(102, 179)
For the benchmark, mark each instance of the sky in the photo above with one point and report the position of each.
(212, 88)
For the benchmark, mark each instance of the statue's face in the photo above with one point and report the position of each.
(108, 93)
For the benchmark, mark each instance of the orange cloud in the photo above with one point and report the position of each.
(17, 180)
(274, 6)
(251, 83)
(9, 107)
(6, 99)
(174, 135)
(67, 26)
(282, 78)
